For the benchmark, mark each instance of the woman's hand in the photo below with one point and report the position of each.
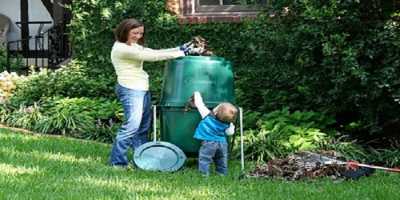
(186, 47)
(190, 49)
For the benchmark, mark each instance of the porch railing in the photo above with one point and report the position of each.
(46, 50)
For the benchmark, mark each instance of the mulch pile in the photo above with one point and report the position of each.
(200, 42)
(301, 165)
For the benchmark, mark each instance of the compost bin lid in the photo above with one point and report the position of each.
(159, 156)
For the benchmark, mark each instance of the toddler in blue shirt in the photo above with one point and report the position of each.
(212, 131)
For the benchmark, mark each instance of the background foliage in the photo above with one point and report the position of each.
(336, 58)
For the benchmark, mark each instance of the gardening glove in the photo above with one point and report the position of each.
(185, 47)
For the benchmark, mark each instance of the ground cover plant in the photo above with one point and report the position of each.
(36, 166)
(281, 133)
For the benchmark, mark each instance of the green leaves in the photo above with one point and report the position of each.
(280, 133)
(78, 117)
(339, 57)
(70, 81)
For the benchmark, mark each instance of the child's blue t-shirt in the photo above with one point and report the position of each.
(211, 129)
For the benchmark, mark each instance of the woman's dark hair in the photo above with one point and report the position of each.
(122, 30)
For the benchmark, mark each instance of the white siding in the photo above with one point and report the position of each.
(37, 12)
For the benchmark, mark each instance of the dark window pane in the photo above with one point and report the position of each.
(214, 6)
(209, 2)
(244, 2)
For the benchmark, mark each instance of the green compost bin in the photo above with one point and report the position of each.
(211, 76)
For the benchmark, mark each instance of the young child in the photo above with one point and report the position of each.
(212, 131)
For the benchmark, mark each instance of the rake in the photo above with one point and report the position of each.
(351, 164)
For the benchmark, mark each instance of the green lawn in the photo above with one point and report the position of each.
(42, 167)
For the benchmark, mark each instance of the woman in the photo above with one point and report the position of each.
(127, 56)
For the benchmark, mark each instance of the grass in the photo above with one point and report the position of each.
(47, 167)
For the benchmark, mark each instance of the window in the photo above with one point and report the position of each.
(218, 6)
(204, 11)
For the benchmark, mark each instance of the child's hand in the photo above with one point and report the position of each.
(197, 98)
(231, 130)
(201, 107)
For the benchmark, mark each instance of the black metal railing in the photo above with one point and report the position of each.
(46, 50)
(59, 46)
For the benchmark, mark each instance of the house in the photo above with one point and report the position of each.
(205, 11)
(36, 31)
(37, 27)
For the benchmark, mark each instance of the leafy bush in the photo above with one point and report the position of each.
(250, 119)
(347, 148)
(307, 119)
(280, 133)
(78, 117)
(336, 56)
(13, 64)
(69, 81)
(24, 117)
(386, 157)
(82, 117)
(8, 83)
(4, 112)
(66, 116)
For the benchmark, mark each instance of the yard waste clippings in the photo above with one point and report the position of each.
(200, 42)
(308, 165)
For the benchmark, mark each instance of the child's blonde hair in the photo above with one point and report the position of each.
(225, 112)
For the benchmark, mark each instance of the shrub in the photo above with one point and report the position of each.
(24, 117)
(78, 117)
(69, 81)
(335, 56)
(13, 64)
(82, 117)
(8, 82)
(386, 157)
(280, 133)
(348, 149)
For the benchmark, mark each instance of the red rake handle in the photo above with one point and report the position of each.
(354, 164)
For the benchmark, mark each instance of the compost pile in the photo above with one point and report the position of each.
(200, 42)
(300, 166)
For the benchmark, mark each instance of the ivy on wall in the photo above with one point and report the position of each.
(339, 56)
